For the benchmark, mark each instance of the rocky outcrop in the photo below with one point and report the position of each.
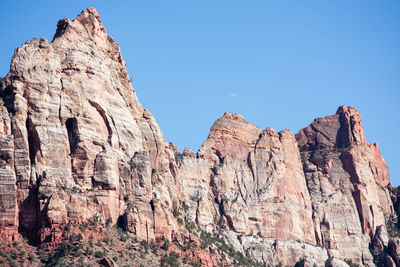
(329, 178)
(250, 185)
(76, 144)
(347, 179)
(257, 180)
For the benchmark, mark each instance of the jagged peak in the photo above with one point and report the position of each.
(90, 10)
(90, 18)
(342, 129)
(268, 133)
(351, 131)
(270, 129)
(230, 123)
(233, 116)
(234, 129)
(231, 129)
(87, 24)
(347, 109)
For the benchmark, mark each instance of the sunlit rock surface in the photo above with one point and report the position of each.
(75, 143)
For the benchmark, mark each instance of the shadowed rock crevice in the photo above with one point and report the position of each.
(344, 137)
(156, 146)
(8, 97)
(29, 216)
(73, 134)
(153, 211)
(102, 113)
(349, 165)
(33, 141)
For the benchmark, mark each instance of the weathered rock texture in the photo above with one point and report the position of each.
(347, 180)
(75, 144)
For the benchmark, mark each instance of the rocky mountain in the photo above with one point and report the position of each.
(78, 150)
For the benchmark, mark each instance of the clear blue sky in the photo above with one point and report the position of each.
(278, 63)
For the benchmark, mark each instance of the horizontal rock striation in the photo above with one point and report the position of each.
(76, 144)
(347, 180)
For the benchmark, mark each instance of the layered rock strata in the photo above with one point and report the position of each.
(76, 144)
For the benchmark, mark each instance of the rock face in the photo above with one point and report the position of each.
(347, 180)
(76, 144)
(258, 182)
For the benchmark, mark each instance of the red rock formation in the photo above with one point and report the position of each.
(72, 130)
(259, 184)
(76, 144)
(347, 179)
(231, 136)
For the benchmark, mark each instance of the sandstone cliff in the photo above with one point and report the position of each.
(76, 141)
(76, 145)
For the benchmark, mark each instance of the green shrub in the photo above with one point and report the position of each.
(165, 246)
(67, 227)
(90, 242)
(185, 247)
(392, 226)
(89, 251)
(185, 259)
(190, 226)
(83, 226)
(195, 264)
(170, 260)
(13, 263)
(95, 219)
(154, 247)
(185, 206)
(176, 213)
(42, 255)
(107, 240)
(99, 254)
(22, 254)
(124, 237)
(31, 257)
(145, 246)
(14, 254)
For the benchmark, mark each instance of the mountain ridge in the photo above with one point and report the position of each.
(76, 144)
